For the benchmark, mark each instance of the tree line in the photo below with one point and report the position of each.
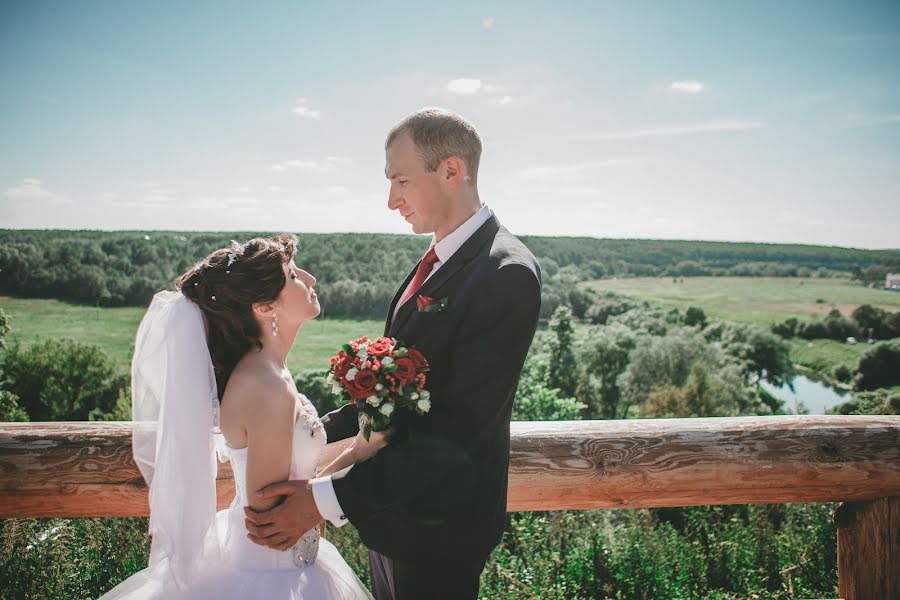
(359, 273)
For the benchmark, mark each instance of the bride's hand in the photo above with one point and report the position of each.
(364, 450)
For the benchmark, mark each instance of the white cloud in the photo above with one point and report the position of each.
(30, 189)
(465, 86)
(582, 191)
(295, 164)
(550, 171)
(487, 22)
(239, 200)
(329, 162)
(304, 110)
(786, 216)
(501, 101)
(678, 129)
(872, 120)
(690, 86)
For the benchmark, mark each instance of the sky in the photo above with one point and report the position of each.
(763, 121)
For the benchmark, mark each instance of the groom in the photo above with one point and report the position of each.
(432, 505)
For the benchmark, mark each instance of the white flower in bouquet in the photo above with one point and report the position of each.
(351, 374)
(424, 405)
(387, 360)
(387, 408)
(374, 400)
(425, 394)
(379, 387)
(336, 388)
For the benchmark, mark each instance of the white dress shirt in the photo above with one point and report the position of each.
(322, 488)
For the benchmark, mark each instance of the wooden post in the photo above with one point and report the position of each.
(868, 554)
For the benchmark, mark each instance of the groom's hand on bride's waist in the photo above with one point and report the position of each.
(280, 527)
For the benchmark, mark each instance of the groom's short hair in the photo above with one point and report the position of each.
(438, 134)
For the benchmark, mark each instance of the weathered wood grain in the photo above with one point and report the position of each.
(869, 549)
(86, 469)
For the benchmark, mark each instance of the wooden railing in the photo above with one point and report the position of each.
(86, 469)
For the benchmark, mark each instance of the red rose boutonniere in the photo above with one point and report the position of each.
(429, 304)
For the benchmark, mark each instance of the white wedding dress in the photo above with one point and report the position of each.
(312, 570)
(196, 552)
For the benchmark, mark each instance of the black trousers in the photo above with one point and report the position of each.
(456, 578)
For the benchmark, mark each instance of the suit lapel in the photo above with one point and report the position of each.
(460, 258)
(390, 314)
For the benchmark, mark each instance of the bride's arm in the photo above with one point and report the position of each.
(270, 433)
(332, 451)
(352, 451)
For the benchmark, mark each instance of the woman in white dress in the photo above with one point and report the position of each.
(226, 334)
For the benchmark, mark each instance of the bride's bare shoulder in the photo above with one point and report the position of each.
(256, 391)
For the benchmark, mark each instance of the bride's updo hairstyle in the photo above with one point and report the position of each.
(226, 284)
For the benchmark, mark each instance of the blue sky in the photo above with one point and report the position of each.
(737, 121)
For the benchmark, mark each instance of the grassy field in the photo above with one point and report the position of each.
(114, 328)
(765, 301)
(823, 355)
(758, 300)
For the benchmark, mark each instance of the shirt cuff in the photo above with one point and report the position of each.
(326, 500)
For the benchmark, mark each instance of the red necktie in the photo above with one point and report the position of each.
(421, 274)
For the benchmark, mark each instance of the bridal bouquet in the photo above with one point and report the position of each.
(379, 377)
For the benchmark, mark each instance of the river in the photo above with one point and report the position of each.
(815, 395)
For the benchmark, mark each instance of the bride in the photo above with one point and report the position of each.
(226, 334)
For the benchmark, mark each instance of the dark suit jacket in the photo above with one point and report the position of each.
(440, 486)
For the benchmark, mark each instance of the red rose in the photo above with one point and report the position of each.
(380, 347)
(417, 358)
(362, 386)
(342, 366)
(405, 371)
(423, 302)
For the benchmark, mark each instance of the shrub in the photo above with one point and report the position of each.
(842, 373)
(878, 402)
(695, 316)
(10, 410)
(63, 380)
(537, 401)
(787, 329)
(879, 367)
(313, 386)
(812, 330)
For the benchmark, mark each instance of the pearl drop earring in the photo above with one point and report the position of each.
(274, 325)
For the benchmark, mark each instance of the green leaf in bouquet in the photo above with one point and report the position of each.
(347, 349)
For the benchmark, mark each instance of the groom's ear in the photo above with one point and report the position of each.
(453, 171)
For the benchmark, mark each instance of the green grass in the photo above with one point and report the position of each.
(823, 355)
(757, 300)
(765, 301)
(113, 329)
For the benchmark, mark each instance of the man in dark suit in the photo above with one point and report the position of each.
(432, 505)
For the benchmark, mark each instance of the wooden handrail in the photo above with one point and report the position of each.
(86, 468)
